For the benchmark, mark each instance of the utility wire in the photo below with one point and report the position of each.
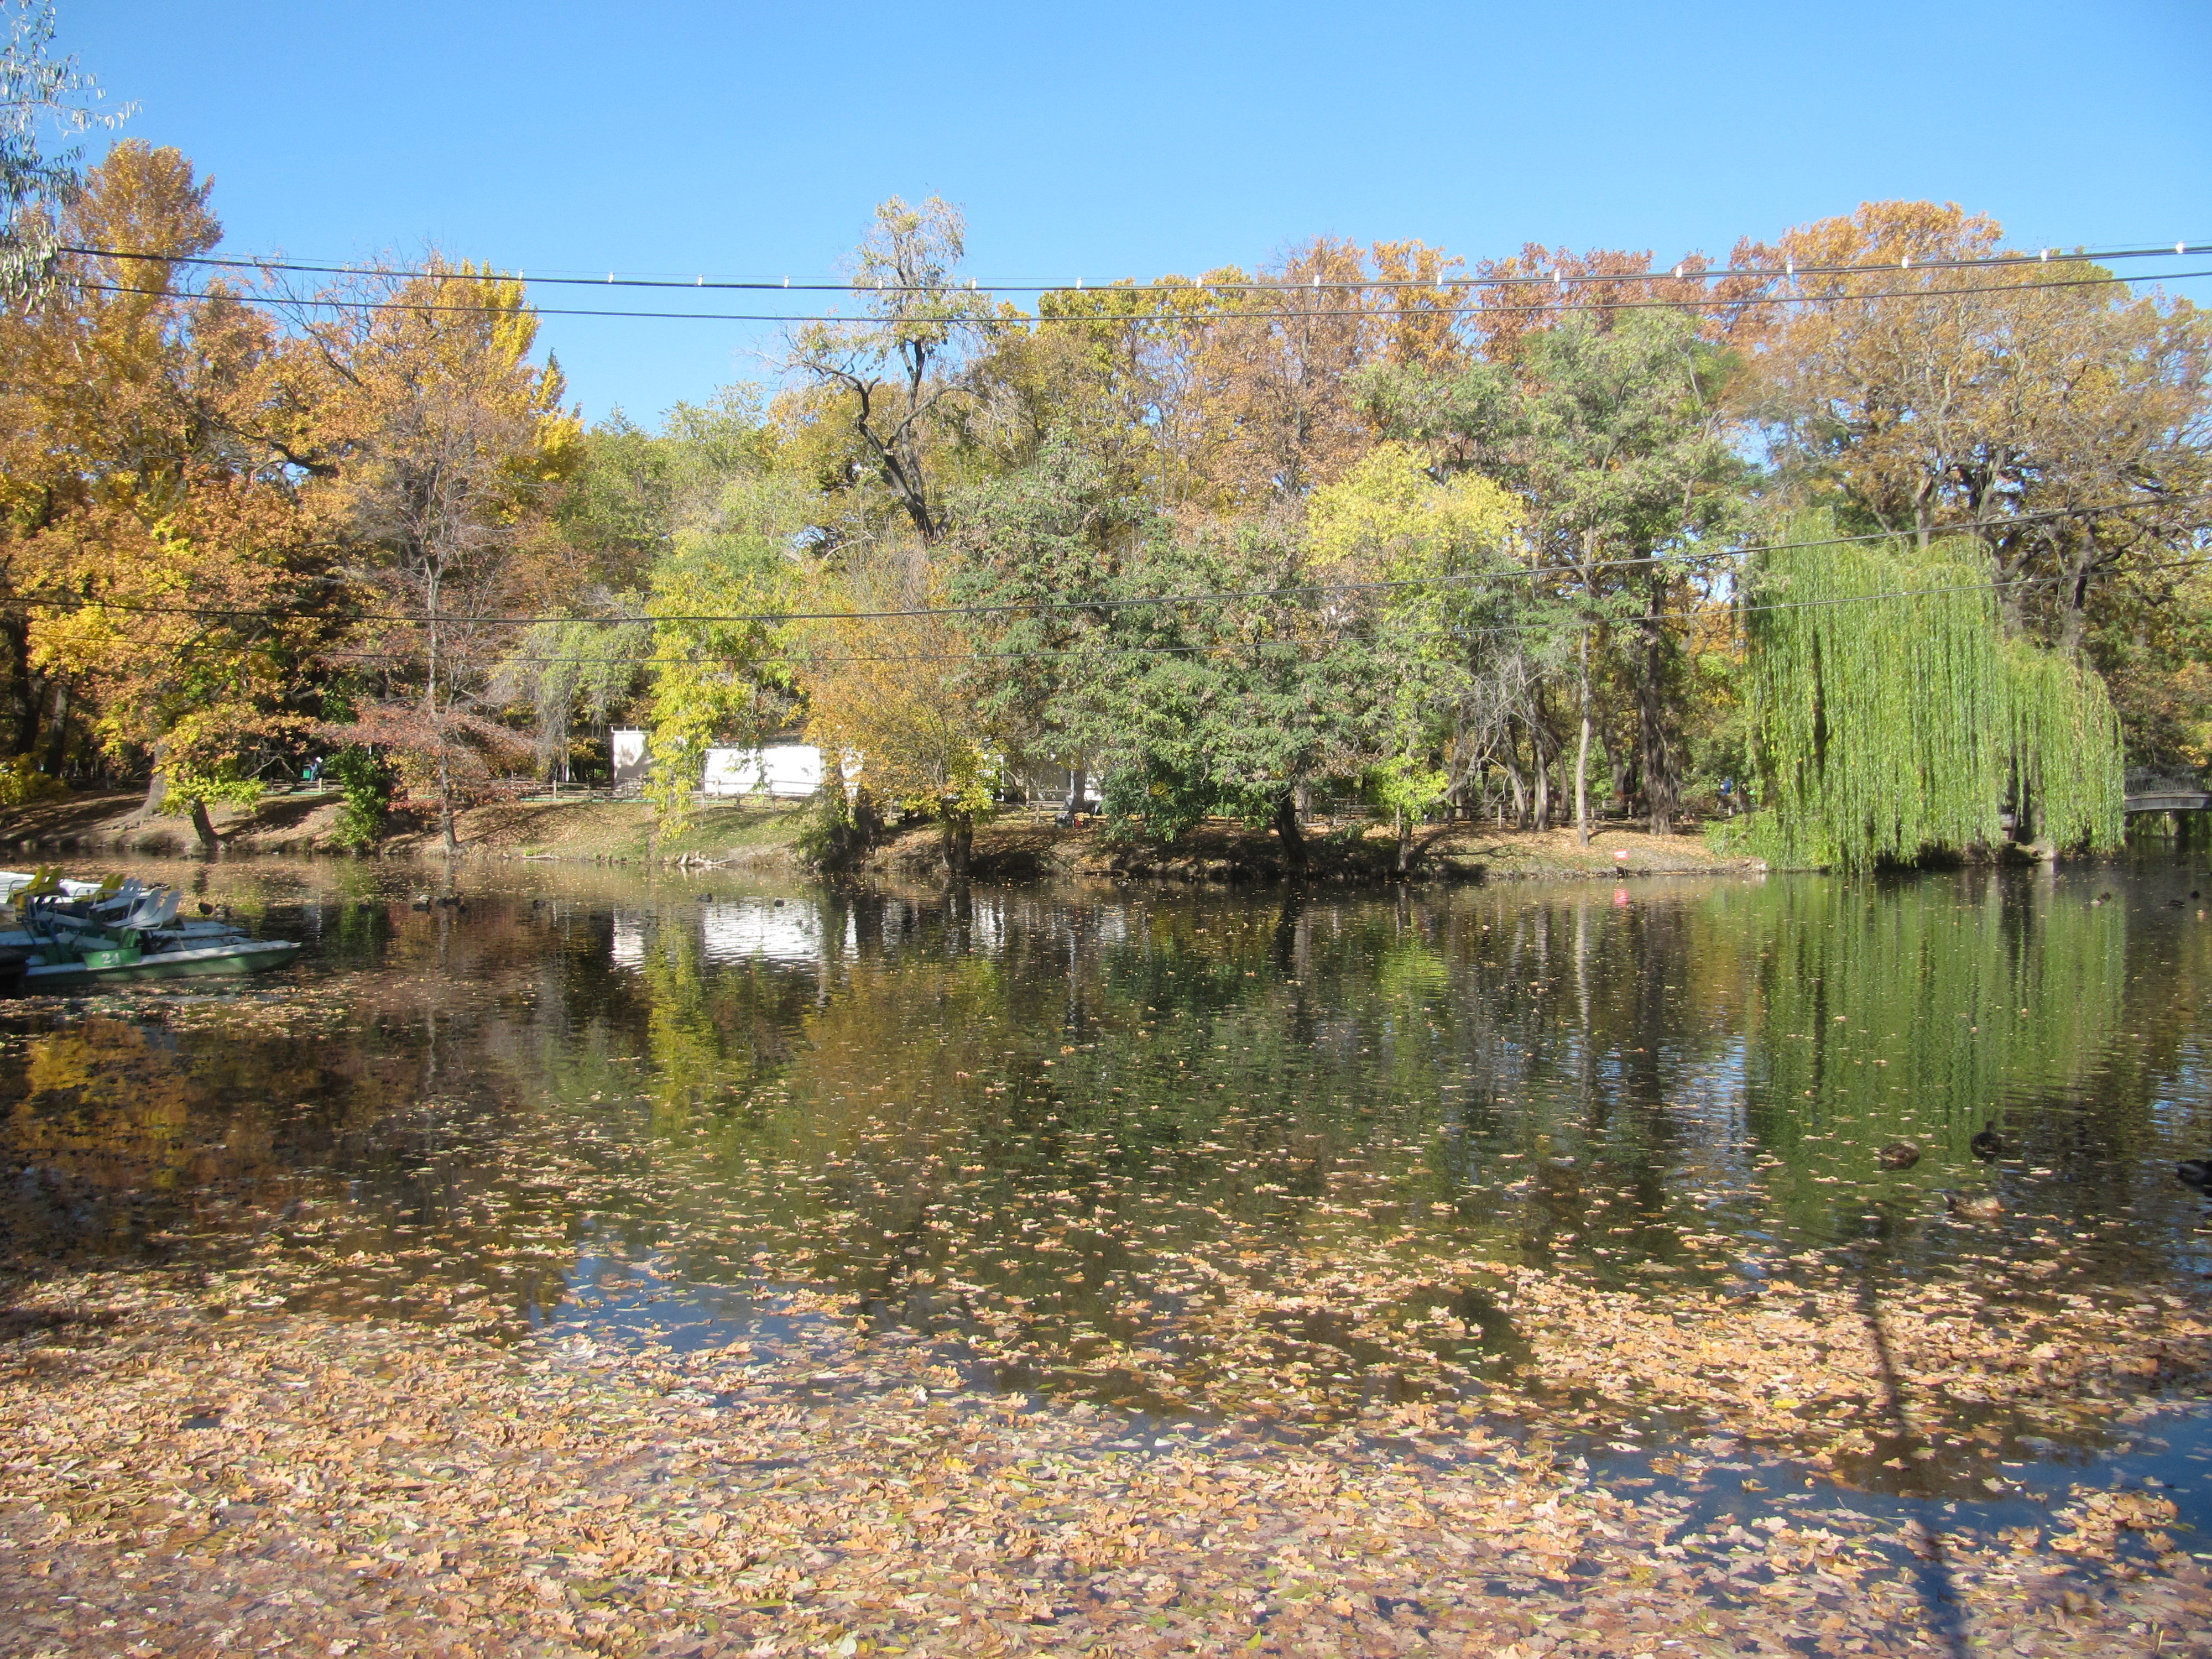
(1683, 272)
(775, 618)
(801, 659)
(1094, 319)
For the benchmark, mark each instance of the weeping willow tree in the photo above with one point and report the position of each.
(572, 668)
(2068, 770)
(1894, 720)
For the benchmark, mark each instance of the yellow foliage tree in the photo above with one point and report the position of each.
(897, 698)
(441, 439)
(1388, 520)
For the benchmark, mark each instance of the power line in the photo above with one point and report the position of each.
(1684, 271)
(1585, 623)
(776, 618)
(1559, 307)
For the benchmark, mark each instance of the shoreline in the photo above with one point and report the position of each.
(1016, 847)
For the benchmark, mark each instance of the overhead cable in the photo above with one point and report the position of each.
(1302, 314)
(801, 659)
(1684, 271)
(778, 619)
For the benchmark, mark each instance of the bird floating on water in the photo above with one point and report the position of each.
(1897, 1155)
(1988, 1207)
(1987, 1145)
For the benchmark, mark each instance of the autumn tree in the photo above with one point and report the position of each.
(891, 376)
(444, 440)
(180, 582)
(2035, 404)
(895, 699)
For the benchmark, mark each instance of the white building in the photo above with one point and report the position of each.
(786, 771)
(631, 762)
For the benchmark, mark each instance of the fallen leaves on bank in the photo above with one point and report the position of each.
(182, 1481)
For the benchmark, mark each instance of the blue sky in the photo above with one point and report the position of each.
(1094, 143)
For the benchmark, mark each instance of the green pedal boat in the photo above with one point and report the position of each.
(64, 942)
(84, 962)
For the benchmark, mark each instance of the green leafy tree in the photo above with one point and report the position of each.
(1031, 547)
(1614, 435)
(1411, 554)
(712, 679)
(1234, 706)
(1895, 720)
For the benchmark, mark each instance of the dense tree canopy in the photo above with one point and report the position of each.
(1362, 522)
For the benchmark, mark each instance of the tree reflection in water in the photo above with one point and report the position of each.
(1192, 1151)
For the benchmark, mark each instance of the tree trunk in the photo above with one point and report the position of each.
(1543, 803)
(58, 738)
(445, 807)
(1079, 784)
(19, 707)
(2077, 606)
(1405, 842)
(958, 834)
(1286, 831)
(204, 827)
(1582, 750)
(1660, 793)
(157, 787)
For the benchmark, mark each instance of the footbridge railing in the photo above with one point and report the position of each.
(2153, 789)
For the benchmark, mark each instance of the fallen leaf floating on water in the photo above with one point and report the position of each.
(398, 1492)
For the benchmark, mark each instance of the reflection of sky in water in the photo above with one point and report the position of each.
(2188, 1086)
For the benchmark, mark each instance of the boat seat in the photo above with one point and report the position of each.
(159, 908)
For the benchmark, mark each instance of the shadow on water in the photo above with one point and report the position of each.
(1091, 1133)
(1932, 1580)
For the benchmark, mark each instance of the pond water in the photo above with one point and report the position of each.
(1068, 1128)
